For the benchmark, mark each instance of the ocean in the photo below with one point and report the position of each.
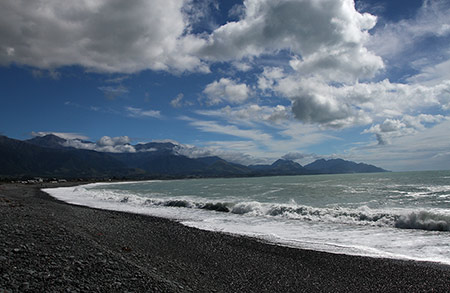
(392, 215)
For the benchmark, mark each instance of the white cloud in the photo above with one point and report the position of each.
(241, 152)
(118, 79)
(326, 40)
(106, 144)
(408, 125)
(226, 90)
(418, 44)
(232, 130)
(394, 38)
(238, 11)
(113, 141)
(102, 35)
(235, 152)
(112, 92)
(140, 113)
(176, 102)
(300, 157)
(53, 74)
(241, 66)
(250, 114)
(300, 136)
(326, 110)
(433, 74)
(329, 57)
(269, 77)
(315, 101)
(200, 14)
(327, 37)
(339, 66)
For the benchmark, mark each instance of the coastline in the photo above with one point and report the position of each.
(49, 245)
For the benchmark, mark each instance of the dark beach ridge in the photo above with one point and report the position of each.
(49, 246)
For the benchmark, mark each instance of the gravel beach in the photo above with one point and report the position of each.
(50, 246)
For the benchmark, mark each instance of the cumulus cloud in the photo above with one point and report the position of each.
(140, 113)
(104, 35)
(109, 36)
(327, 37)
(326, 110)
(328, 42)
(407, 125)
(316, 101)
(268, 79)
(348, 66)
(226, 90)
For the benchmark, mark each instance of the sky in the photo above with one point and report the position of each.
(251, 81)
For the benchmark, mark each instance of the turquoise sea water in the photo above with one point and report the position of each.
(396, 215)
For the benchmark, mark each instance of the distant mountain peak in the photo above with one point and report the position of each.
(338, 166)
(155, 146)
(48, 141)
(286, 163)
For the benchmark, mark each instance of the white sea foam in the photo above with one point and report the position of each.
(363, 215)
(424, 220)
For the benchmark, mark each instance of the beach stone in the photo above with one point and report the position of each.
(25, 286)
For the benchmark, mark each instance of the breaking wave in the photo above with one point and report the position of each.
(422, 220)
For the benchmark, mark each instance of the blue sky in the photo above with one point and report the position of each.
(251, 81)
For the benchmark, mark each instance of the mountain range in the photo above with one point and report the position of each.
(53, 156)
